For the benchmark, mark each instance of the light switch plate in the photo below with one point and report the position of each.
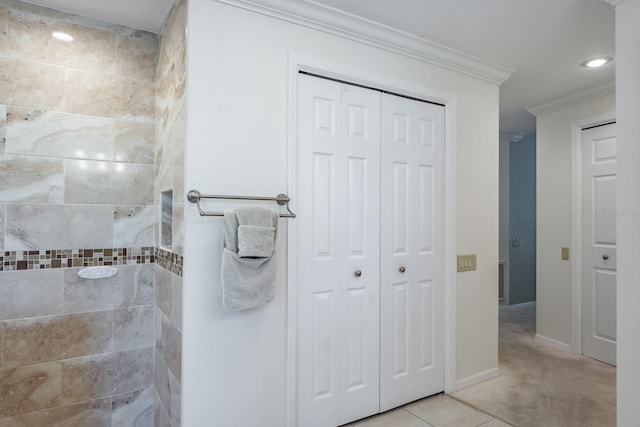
(466, 262)
(565, 254)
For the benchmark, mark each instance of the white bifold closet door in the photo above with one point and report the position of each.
(339, 232)
(369, 188)
(411, 259)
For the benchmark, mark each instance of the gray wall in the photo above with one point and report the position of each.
(522, 220)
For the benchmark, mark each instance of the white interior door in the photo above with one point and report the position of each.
(412, 294)
(599, 243)
(339, 240)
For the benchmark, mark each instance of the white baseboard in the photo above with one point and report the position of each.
(477, 378)
(554, 343)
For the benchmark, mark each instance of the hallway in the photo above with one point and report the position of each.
(541, 385)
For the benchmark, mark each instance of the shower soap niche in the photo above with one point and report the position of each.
(101, 272)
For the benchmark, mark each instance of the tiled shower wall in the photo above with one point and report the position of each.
(170, 136)
(77, 125)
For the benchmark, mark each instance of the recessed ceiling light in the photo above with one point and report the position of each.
(62, 36)
(597, 62)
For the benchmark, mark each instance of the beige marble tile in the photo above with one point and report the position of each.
(29, 37)
(92, 49)
(168, 389)
(177, 238)
(161, 418)
(99, 25)
(136, 56)
(395, 418)
(163, 290)
(132, 286)
(55, 134)
(133, 98)
(133, 369)
(106, 374)
(29, 388)
(141, 276)
(3, 129)
(90, 93)
(133, 328)
(176, 301)
(32, 9)
(69, 335)
(91, 295)
(495, 423)
(444, 411)
(94, 413)
(134, 141)
(3, 30)
(30, 293)
(38, 86)
(175, 412)
(108, 183)
(169, 344)
(133, 409)
(86, 378)
(2, 214)
(134, 226)
(37, 226)
(31, 179)
(174, 31)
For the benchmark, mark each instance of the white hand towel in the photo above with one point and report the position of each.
(249, 258)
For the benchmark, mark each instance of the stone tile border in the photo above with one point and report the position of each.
(169, 261)
(67, 258)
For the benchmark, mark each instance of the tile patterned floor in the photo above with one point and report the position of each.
(435, 411)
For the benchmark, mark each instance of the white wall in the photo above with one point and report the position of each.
(628, 129)
(553, 154)
(234, 363)
(503, 245)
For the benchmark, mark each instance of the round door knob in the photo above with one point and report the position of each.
(358, 273)
(605, 257)
(402, 269)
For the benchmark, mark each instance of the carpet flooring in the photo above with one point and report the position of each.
(540, 385)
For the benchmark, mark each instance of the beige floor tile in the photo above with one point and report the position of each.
(444, 411)
(395, 418)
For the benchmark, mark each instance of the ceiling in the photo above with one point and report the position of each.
(544, 41)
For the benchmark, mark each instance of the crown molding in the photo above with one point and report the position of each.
(574, 99)
(332, 21)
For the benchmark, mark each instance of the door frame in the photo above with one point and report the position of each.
(576, 223)
(321, 67)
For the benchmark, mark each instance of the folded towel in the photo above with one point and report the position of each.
(247, 282)
(231, 231)
(255, 241)
(257, 216)
(248, 259)
(256, 232)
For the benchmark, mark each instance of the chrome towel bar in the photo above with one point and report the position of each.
(194, 196)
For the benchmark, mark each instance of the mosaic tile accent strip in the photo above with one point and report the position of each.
(67, 258)
(169, 261)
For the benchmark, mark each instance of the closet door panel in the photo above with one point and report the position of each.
(338, 286)
(321, 254)
(412, 139)
(361, 273)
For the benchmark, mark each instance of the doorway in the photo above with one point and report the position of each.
(594, 218)
(599, 218)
